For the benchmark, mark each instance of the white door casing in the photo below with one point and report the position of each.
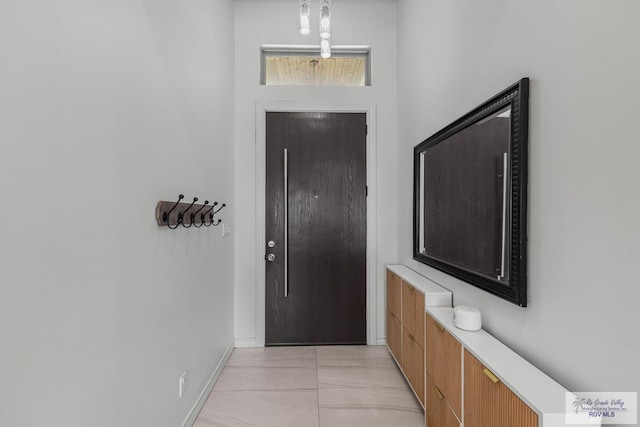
(261, 109)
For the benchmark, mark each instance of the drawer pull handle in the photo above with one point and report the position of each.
(491, 376)
(439, 326)
(439, 393)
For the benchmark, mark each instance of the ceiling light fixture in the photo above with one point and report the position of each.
(325, 19)
(324, 24)
(304, 17)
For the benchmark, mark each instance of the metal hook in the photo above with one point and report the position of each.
(181, 214)
(193, 215)
(203, 215)
(219, 209)
(165, 215)
(214, 213)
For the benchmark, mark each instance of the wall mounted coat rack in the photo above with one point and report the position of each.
(174, 214)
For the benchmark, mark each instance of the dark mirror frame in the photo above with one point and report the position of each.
(515, 288)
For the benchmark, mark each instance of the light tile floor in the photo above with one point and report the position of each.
(330, 386)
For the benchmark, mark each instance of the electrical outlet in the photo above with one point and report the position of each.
(182, 384)
(226, 229)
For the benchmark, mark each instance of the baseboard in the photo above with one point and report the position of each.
(245, 342)
(197, 407)
(251, 342)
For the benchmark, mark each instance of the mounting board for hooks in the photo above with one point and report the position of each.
(174, 214)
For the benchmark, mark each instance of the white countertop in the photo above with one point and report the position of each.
(434, 294)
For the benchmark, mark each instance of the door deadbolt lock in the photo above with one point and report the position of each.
(271, 257)
(271, 243)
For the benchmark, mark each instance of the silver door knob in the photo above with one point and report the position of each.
(271, 243)
(271, 257)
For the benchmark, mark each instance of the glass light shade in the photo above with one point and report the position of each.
(325, 16)
(325, 48)
(325, 21)
(304, 25)
(304, 17)
(325, 33)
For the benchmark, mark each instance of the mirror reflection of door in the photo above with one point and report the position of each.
(464, 197)
(316, 276)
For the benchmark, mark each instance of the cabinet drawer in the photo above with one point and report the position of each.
(393, 294)
(438, 413)
(490, 403)
(444, 363)
(413, 363)
(394, 336)
(413, 312)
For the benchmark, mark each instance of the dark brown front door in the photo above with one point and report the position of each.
(316, 278)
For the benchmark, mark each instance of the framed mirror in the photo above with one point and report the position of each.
(470, 196)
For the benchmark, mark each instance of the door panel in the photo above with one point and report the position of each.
(394, 336)
(488, 402)
(413, 363)
(413, 312)
(326, 180)
(439, 414)
(444, 361)
(394, 286)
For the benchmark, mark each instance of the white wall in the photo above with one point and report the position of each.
(358, 22)
(106, 107)
(580, 326)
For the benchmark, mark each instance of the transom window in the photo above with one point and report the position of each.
(303, 66)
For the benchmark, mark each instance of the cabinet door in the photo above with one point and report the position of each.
(444, 363)
(488, 402)
(394, 336)
(413, 312)
(413, 363)
(393, 294)
(438, 412)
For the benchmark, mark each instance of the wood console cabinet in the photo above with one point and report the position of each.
(408, 294)
(405, 330)
(463, 378)
(498, 387)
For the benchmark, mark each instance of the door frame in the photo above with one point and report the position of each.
(262, 108)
